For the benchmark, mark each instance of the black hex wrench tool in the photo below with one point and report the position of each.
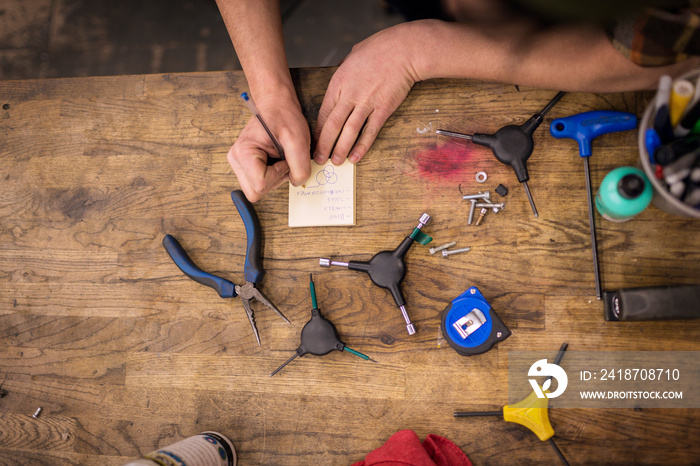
(319, 336)
(387, 269)
(253, 268)
(512, 145)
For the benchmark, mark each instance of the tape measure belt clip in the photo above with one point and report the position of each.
(470, 326)
(470, 323)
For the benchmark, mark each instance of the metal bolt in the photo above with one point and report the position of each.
(499, 334)
(494, 209)
(471, 211)
(36, 413)
(481, 216)
(472, 290)
(446, 253)
(490, 205)
(444, 246)
(486, 195)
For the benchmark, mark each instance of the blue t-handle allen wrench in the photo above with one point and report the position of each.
(583, 128)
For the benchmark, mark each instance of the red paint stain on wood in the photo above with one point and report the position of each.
(448, 162)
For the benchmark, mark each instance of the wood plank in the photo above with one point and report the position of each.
(23, 432)
(17, 457)
(71, 366)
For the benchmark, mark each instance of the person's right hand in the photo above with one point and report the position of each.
(248, 155)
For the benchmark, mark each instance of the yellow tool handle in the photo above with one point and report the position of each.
(531, 413)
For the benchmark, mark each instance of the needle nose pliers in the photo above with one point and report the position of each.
(253, 268)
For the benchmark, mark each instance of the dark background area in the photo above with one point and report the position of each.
(64, 38)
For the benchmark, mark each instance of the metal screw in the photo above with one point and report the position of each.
(471, 211)
(36, 414)
(486, 195)
(499, 334)
(472, 290)
(446, 253)
(444, 246)
(481, 216)
(494, 209)
(490, 205)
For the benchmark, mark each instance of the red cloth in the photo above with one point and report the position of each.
(404, 448)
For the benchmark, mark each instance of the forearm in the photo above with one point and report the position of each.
(570, 58)
(255, 29)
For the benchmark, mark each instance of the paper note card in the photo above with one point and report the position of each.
(327, 199)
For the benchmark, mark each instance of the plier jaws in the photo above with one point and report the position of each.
(248, 292)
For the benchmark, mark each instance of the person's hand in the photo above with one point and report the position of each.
(367, 88)
(249, 154)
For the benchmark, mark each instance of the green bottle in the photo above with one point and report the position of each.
(624, 192)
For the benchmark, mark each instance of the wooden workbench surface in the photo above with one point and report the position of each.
(125, 354)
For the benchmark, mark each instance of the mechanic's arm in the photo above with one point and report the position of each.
(377, 75)
(569, 57)
(255, 28)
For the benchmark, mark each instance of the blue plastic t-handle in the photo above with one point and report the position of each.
(253, 268)
(585, 127)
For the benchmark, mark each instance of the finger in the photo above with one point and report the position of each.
(350, 132)
(330, 130)
(255, 177)
(298, 160)
(369, 133)
(329, 101)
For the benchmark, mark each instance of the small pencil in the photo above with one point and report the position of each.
(256, 113)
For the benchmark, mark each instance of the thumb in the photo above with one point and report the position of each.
(298, 157)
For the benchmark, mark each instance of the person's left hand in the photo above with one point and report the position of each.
(367, 88)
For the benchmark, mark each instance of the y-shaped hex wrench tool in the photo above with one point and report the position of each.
(253, 267)
(387, 269)
(319, 336)
(512, 145)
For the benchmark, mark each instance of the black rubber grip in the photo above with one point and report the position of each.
(653, 303)
(225, 288)
(253, 267)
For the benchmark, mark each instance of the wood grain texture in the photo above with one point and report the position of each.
(125, 354)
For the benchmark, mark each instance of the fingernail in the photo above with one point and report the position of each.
(336, 160)
(318, 158)
(354, 157)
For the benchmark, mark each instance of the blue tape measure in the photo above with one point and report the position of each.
(470, 326)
